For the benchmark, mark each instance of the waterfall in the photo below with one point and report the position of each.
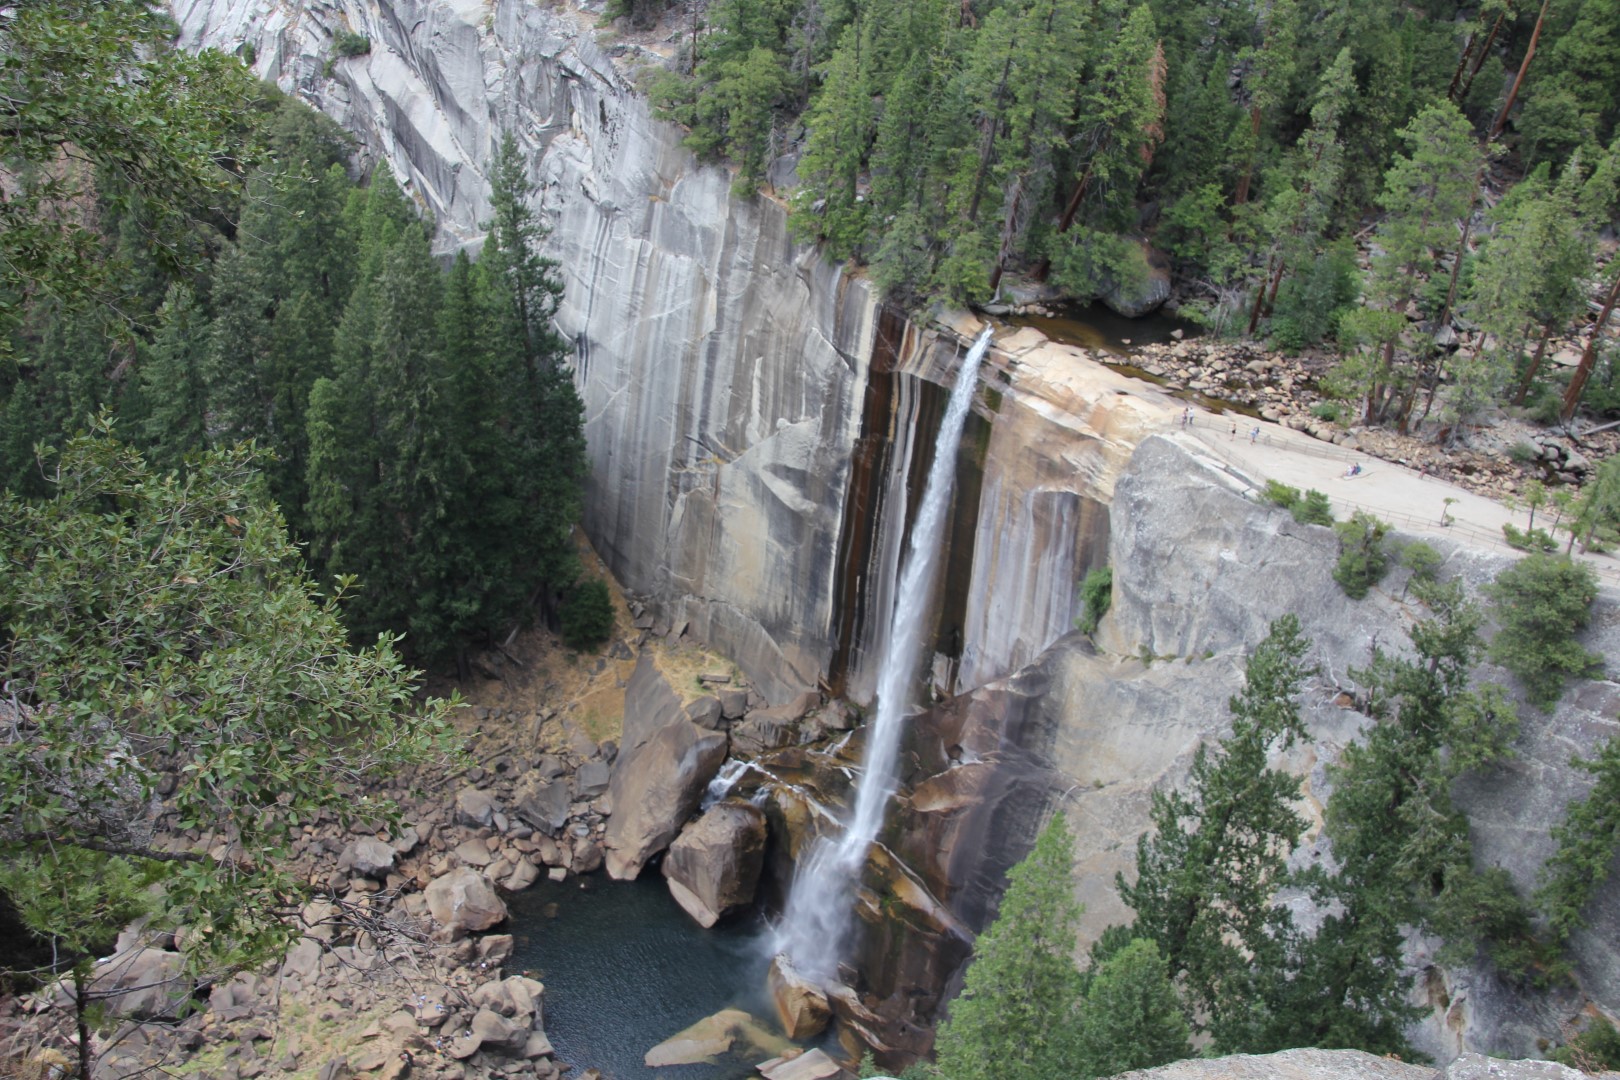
(818, 909)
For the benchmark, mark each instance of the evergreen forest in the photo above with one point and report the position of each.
(1367, 176)
(217, 274)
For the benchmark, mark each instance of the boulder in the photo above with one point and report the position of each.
(522, 876)
(1144, 292)
(587, 858)
(140, 984)
(800, 1004)
(496, 1032)
(543, 803)
(474, 808)
(705, 712)
(463, 901)
(368, 858)
(473, 853)
(592, 778)
(761, 733)
(713, 867)
(810, 1065)
(656, 787)
(714, 1035)
(733, 703)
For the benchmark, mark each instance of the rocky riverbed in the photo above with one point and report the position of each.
(402, 961)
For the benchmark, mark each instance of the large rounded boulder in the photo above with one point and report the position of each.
(713, 867)
(463, 901)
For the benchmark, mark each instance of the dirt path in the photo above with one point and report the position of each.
(1407, 499)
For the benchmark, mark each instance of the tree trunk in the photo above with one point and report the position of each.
(1524, 67)
(1276, 283)
(1241, 195)
(81, 1013)
(1462, 66)
(1260, 296)
(1583, 370)
(1479, 61)
(1073, 206)
(1535, 366)
(987, 147)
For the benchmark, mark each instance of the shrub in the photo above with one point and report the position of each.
(1522, 453)
(1422, 560)
(1363, 560)
(1541, 601)
(349, 43)
(587, 615)
(1313, 509)
(1280, 494)
(1096, 593)
(247, 53)
(1597, 1049)
(1528, 540)
(1331, 411)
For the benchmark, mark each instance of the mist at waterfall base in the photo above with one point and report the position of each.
(816, 921)
(625, 968)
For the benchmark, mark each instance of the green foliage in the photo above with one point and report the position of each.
(1596, 1049)
(1130, 1017)
(348, 43)
(1015, 1015)
(640, 14)
(1529, 539)
(1363, 560)
(586, 615)
(1588, 840)
(1280, 494)
(1311, 302)
(1403, 845)
(1096, 593)
(160, 134)
(1421, 560)
(1313, 508)
(160, 634)
(1541, 602)
(1207, 874)
(1426, 193)
(445, 450)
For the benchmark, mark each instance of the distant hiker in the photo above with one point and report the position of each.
(1254, 433)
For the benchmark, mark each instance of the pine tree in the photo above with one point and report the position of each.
(540, 412)
(1427, 193)
(1130, 1017)
(171, 377)
(1402, 845)
(1015, 1014)
(1207, 874)
(383, 463)
(1531, 271)
(1117, 122)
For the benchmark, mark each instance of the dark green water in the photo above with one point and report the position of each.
(1093, 326)
(625, 968)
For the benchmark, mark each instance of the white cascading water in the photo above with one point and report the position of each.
(812, 930)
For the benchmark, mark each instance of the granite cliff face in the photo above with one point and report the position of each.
(1200, 572)
(726, 370)
(758, 426)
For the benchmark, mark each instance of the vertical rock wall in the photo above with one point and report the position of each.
(725, 369)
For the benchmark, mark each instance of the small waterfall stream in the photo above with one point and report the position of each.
(818, 913)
